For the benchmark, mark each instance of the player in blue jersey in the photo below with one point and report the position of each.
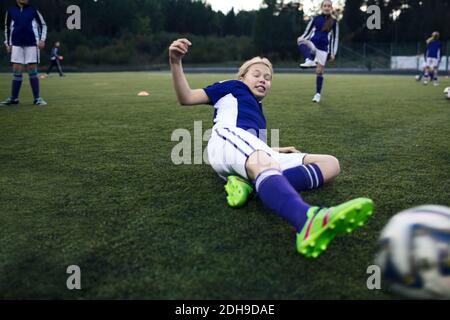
(432, 59)
(319, 44)
(236, 149)
(25, 35)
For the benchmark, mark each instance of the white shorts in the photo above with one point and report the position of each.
(432, 63)
(321, 56)
(230, 148)
(25, 55)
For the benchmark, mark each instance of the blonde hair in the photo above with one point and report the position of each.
(256, 60)
(434, 36)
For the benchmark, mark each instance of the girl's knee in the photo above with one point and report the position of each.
(335, 165)
(258, 162)
(329, 165)
(17, 68)
(331, 168)
(320, 70)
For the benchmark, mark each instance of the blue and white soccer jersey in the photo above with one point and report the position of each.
(239, 126)
(321, 43)
(433, 54)
(24, 28)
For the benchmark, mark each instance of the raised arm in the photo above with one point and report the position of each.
(186, 96)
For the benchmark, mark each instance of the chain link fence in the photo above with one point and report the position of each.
(357, 57)
(385, 56)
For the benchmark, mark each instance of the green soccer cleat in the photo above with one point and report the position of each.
(325, 223)
(238, 190)
(9, 101)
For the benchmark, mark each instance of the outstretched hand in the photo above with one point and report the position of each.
(178, 49)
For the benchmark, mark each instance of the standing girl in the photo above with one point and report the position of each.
(320, 43)
(432, 59)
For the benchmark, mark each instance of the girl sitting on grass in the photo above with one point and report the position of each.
(235, 149)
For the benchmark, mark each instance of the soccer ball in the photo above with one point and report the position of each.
(447, 92)
(415, 252)
(417, 78)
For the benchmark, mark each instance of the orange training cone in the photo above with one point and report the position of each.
(143, 94)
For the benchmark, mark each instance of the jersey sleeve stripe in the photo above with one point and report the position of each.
(7, 29)
(43, 26)
(309, 30)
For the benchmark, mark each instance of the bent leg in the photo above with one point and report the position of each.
(307, 48)
(275, 191)
(328, 165)
(309, 172)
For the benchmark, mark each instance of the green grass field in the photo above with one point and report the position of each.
(89, 181)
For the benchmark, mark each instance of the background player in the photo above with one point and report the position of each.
(432, 59)
(25, 33)
(319, 43)
(277, 176)
(55, 60)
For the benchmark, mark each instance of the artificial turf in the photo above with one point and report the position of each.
(89, 181)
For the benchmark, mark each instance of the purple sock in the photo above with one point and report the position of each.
(16, 85)
(277, 194)
(305, 177)
(34, 82)
(319, 83)
(305, 50)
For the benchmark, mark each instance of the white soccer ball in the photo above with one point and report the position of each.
(415, 252)
(447, 92)
(417, 78)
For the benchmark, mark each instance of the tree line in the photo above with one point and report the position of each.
(136, 32)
